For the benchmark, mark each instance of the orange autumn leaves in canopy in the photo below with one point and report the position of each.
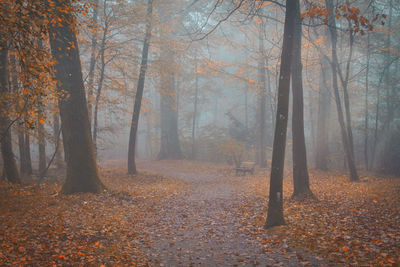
(25, 34)
(351, 13)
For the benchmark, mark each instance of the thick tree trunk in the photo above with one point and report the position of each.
(335, 65)
(92, 59)
(10, 165)
(300, 172)
(139, 92)
(82, 173)
(170, 146)
(275, 203)
(324, 102)
(261, 99)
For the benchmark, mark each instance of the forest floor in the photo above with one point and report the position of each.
(182, 213)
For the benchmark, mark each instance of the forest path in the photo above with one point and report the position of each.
(203, 226)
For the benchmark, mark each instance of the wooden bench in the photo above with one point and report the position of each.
(245, 167)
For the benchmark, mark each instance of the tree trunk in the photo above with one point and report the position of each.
(42, 149)
(193, 156)
(10, 165)
(56, 137)
(261, 98)
(275, 203)
(92, 58)
(82, 173)
(324, 102)
(345, 141)
(366, 119)
(139, 92)
(27, 149)
(100, 85)
(21, 147)
(170, 147)
(300, 172)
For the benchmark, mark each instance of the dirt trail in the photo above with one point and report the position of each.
(202, 225)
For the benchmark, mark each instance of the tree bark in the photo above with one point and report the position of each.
(82, 173)
(275, 203)
(10, 165)
(139, 92)
(300, 172)
(334, 65)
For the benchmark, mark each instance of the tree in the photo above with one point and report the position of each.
(10, 165)
(347, 144)
(139, 92)
(275, 203)
(170, 146)
(300, 172)
(92, 58)
(261, 98)
(324, 101)
(82, 173)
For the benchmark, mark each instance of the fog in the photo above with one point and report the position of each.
(199, 133)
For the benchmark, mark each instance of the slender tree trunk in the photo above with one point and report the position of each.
(275, 203)
(21, 147)
(261, 98)
(27, 149)
(10, 165)
(82, 173)
(92, 58)
(345, 83)
(139, 92)
(195, 112)
(300, 172)
(366, 129)
(100, 86)
(42, 148)
(56, 137)
(345, 141)
(324, 102)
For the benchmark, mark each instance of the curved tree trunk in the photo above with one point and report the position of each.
(275, 203)
(139, 92)
(300, 172)
(10, 165)
(82, 173)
